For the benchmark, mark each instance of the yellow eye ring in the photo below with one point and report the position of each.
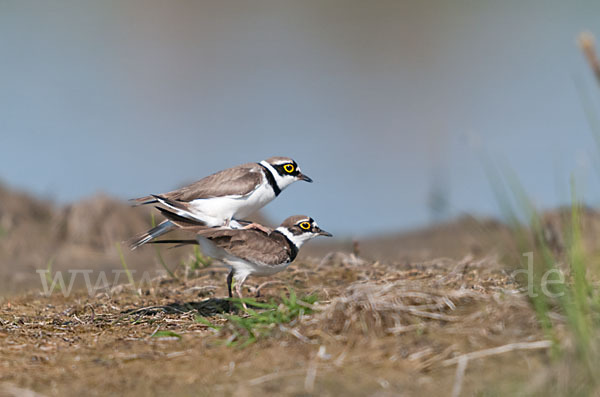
(289, 168)
(305, 225)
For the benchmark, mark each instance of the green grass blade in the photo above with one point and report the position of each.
(125, 267)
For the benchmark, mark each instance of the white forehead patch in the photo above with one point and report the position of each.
(269, 166)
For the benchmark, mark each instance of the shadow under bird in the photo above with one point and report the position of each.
(249, 252)
(223, 198)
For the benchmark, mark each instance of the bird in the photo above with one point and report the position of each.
(249, 252)
(223, 198)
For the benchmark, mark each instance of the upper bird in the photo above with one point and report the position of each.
(226, 196)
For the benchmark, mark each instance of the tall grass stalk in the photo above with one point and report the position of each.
(158, 254)
(125, 267)
(515, 207)
(572, 295)
(49, 279)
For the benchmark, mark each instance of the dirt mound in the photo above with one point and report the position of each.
(557, 224)
(454, 239)
(81, 236)
(25, 222)
(97, 222)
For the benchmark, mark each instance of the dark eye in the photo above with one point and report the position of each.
(305, 225)
(289, 168)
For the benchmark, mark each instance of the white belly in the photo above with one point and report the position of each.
(263, 270)
(218, 210)
(243, 269)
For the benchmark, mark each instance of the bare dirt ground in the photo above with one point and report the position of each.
(377, 329)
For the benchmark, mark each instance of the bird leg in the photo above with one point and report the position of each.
(238, 290)
(229, 280)
(257, 226)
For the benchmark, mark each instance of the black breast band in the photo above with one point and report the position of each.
(271, 180)
(293, 248)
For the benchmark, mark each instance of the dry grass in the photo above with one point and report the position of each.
(377, 327)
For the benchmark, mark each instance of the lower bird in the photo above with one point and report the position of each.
(250, 252)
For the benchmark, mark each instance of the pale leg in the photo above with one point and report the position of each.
(238, 289)
(258, 226)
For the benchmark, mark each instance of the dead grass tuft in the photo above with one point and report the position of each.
(399, 321)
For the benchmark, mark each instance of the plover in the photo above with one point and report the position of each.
(223, 198)
(250, 252)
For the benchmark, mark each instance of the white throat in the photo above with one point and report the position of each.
(281, 181)
(296, 240)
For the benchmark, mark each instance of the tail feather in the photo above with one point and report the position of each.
(180, 243)
(180, 208)
(180, 220)
(143, 200)
(141, 239)
(173, 221)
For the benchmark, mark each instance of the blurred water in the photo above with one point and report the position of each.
(379, 102)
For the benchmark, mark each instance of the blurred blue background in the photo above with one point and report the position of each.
(388, 105)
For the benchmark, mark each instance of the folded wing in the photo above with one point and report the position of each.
(237, 181)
